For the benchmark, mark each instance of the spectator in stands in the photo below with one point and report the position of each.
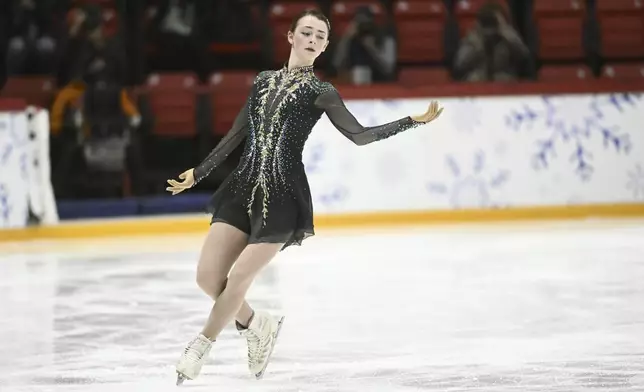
(91, 59)
(179, 18)
(229, 16)
(103, 137)
(493, 50)
(101, 58)
(31, 48)
(366, 51)
(176, 37)
(101, 116)
(81, 21)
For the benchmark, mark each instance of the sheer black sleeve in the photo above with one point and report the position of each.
(232, 139)
(332, 104)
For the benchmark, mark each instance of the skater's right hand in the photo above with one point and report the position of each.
(188, 178)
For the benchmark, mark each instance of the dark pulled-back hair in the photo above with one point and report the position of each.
(310, 12)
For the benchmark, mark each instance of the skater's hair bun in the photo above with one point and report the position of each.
(310, 12)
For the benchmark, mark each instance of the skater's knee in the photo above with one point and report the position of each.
(211, 285)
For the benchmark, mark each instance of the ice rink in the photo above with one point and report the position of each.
(540, 307)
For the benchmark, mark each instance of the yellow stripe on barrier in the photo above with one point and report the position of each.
(408, 218)
(181, 225)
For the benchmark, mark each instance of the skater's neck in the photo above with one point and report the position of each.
(294, 62)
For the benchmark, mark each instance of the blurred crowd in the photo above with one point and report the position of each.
(117, 42)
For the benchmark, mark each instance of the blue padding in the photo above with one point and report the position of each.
(155, 205)
(174, 204)
(97, 208)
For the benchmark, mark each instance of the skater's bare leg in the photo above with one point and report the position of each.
(223, 245)
(252, 259)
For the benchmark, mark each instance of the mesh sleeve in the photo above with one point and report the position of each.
(233, 138)
(331, 103)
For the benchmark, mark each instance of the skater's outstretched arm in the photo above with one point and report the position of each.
(346, 123)
(232, 139)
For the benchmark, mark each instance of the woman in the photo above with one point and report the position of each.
(265, 205)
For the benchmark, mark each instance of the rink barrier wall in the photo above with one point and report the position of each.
(199, 224)
(493, 152)
(25, 184)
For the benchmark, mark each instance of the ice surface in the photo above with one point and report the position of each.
(548, 307)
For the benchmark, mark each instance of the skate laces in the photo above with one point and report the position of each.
(254, 346)
(257, 345)
(196, 347)
(189, 346)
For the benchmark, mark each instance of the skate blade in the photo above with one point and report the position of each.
(258, 376)
(180, 379)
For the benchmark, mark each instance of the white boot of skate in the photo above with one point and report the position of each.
(261, 336)
(192, 359)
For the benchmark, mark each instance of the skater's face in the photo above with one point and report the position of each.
(310, 38)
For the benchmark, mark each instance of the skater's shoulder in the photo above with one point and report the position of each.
(321, 86)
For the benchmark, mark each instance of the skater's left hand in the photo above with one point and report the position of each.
(431, 114)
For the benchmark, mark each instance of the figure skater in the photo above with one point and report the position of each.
(265, 204)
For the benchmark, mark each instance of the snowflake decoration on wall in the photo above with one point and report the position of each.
(576, 131)
(16, 133)
(314, 159)
(5, 208)
(5, 154)
(636, 182)
(473, 189)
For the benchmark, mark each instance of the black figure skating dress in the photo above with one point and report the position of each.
(267, 195)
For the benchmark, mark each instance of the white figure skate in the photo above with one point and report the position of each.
(192, 359)
(261, 336)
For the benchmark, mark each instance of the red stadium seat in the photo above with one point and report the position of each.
(172, 99)
(421, 26)
(559, 26)
(621, 24)
(36, 90)
(228, 92)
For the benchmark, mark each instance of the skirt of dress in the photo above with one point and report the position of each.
(288, 220)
